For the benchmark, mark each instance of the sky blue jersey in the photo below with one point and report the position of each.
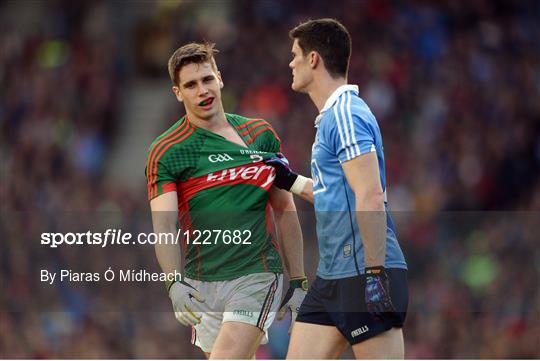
(346, 129)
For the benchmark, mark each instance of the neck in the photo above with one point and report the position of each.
(214, 123)
(322, 87)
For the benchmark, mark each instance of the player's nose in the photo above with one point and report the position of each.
(203, 90)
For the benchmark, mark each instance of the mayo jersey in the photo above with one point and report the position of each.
(346, 129)
(223, 198)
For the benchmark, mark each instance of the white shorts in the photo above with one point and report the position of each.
(253, 299)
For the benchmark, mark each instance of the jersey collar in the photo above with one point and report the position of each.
(333, 99)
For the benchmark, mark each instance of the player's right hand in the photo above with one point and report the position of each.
(377, 291)
(184, 299)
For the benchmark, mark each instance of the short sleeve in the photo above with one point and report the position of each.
(159, 179)
(352, 136)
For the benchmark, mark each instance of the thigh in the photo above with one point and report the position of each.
(386, 345)
(205, 333)
(349, 312)
(236, 340)
(251, 303)
(254, 299)
(315, 341)
(314, 335)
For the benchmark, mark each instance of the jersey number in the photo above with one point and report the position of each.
(318, 179)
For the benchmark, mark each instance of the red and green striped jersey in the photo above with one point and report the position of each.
(222, 190)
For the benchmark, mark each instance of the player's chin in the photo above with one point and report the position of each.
(297, 87)
(207, 114)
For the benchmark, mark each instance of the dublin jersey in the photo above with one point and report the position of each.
(346, 129)
(223, 198)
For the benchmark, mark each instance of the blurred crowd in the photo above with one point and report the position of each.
(456, 91)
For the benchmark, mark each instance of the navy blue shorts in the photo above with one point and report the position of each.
(341, 303)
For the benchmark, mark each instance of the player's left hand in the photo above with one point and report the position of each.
(285, 177)
(377, 291)
(293, 298)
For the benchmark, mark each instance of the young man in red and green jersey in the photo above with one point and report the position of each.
(208, 172)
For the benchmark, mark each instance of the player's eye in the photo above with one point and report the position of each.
(208, 79)
(190, 85)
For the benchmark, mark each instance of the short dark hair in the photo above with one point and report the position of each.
(330, 39)
(192, 53)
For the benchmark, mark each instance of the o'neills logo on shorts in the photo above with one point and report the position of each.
(359, 331)
(243, 313)
(261, 175)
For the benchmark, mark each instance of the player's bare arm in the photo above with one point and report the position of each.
(290, 236)
(183, 295)
(362, 174)
(289, 231)
(164, 218)
(306, 192)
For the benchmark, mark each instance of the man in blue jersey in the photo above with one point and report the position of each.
(360, 294)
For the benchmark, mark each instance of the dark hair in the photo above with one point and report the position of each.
(192, 53)
(330, 39)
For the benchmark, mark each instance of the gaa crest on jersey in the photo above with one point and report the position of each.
(219, 157)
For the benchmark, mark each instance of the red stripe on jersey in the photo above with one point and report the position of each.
(155, 150)
(181, 137)
(257, 174)
(248, 123)
(186, 133)
(258, 133)
(169, 187)
(249, 130)
(277, 137)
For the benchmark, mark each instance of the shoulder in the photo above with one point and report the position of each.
(350, 110)
(178, 134)
(253, 129)
(244, 123)
(237, 120)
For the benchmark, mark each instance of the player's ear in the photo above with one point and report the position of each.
(220, 80)
(314, 59)
(176, 91)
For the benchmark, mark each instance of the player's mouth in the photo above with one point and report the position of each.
(207, 103)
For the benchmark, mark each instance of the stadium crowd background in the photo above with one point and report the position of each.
(455, 88)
